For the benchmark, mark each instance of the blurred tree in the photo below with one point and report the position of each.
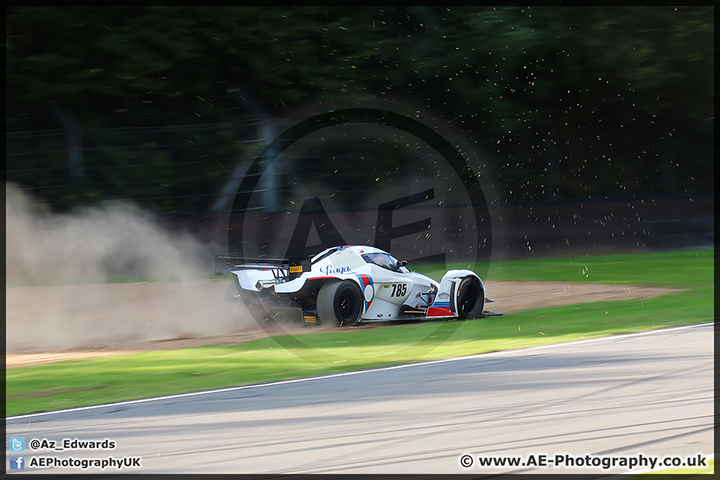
(568, 101)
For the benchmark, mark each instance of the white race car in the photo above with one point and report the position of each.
(351, 284)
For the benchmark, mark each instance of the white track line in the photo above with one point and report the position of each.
(360, 372)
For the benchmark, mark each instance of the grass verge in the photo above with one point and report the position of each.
(684, 473)
(92, 381)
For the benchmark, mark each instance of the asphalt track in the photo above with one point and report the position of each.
(647, 394)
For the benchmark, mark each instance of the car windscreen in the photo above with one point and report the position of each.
(383, 260)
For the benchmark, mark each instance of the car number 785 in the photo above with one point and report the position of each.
(398, 290)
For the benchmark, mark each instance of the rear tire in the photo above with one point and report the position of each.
(340, 302)
(470, 299)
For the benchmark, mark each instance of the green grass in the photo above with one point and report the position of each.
(669, 269)
(686, 473)
(91, 381)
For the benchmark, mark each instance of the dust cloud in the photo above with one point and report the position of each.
(58, 267)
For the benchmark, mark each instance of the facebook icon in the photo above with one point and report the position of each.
(17, 462)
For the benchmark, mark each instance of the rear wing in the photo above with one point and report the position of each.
(283, 268)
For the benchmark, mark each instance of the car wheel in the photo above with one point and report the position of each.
(470, 298)
(234, 295)
(340, 302)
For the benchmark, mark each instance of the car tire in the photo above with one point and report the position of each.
(470, 299)
(340, 302)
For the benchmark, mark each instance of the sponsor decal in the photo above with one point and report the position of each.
(330, 270)
(368, 289)
(296, 269)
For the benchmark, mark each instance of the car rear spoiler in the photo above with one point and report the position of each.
(285, 268)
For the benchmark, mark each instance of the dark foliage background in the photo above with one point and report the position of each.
(563, 102)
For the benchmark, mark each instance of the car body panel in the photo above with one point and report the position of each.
(390, 291)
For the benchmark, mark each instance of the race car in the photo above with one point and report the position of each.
(351, 284)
